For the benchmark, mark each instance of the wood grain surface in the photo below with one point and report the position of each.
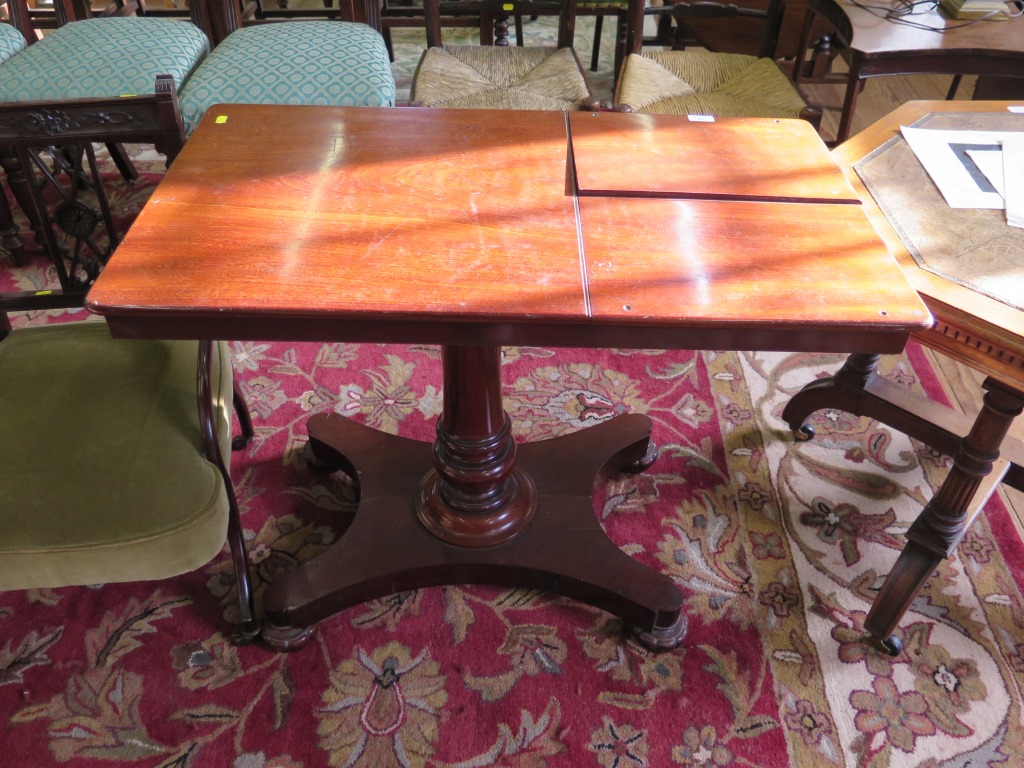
(449, 226)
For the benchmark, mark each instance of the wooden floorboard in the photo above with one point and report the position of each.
(880, 96)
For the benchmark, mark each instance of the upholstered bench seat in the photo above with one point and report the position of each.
(103, 58)
(498, 77)
(11, 42)
(331, 63)
(112, 424)
(702, 82)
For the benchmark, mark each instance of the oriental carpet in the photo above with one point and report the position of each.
(776, 545)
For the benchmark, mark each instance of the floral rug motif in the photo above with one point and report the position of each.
(777, 547)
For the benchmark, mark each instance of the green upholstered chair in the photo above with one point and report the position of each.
(79, 75)
(108, 470)
(681, 82)
(501, 76)
(335, 63)
(103, 58)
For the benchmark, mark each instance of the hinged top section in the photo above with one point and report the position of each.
(726, 158)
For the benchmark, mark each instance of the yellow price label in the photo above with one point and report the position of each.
(221, 119)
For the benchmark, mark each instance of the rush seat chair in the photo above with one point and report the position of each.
(501, 76)
(682, 82)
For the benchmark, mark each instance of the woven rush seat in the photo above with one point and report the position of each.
(106, 57)
(332, 63)
(106, 480)
(702, 82)
(492, 77)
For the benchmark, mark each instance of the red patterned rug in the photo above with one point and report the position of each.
(777, 547)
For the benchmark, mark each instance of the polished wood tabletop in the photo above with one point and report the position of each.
(411, 225)
(467, 229)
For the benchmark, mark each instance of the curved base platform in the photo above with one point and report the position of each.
(563, 550)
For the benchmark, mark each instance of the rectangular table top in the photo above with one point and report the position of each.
(466, 226)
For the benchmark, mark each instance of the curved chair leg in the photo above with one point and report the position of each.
(10, 240)
(249, 627)
(845, 391)
(244, 421)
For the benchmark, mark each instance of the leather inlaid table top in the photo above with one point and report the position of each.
(967, 265)
(439, 226)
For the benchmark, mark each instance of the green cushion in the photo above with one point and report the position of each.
(102, 58)
(332, 63)
(101, 473)
(11, 41)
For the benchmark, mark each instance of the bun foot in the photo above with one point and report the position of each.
(662, 638)
(286, 639)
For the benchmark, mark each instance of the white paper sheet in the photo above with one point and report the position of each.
(945, 156)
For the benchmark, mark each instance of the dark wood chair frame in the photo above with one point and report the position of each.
(150, 118)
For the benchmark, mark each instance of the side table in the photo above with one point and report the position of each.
(874, 45)
(966, 266)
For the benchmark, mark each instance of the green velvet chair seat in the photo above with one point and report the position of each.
(106, 479)
(493, 77)
(102, 58)
(331, 63)
(11, 42)
(703, 82)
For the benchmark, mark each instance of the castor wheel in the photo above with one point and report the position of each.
(644, 462)
(803, 433)
(239, 442)
(892, 646)
(315, 462)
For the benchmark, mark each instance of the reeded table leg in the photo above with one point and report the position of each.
(937, 531)
(474, 507)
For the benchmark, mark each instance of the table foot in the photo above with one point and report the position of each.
(563, 549)
(662, 638)
(286, 639)
(846, 391)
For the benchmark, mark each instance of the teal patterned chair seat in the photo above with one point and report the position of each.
(11, 42)
(332, 63)
(102, 58)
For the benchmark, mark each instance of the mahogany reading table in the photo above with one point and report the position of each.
(478, 229)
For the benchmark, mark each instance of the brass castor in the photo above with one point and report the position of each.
(892, 646)
(803, 433)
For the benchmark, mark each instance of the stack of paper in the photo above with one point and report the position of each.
(974, 169)
(1013, 178)
(995, 10)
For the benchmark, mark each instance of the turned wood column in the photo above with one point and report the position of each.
(474, 496)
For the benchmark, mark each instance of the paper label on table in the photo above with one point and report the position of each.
(1018, 110)
(945, 156)
(701, 118)
(220, 119)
